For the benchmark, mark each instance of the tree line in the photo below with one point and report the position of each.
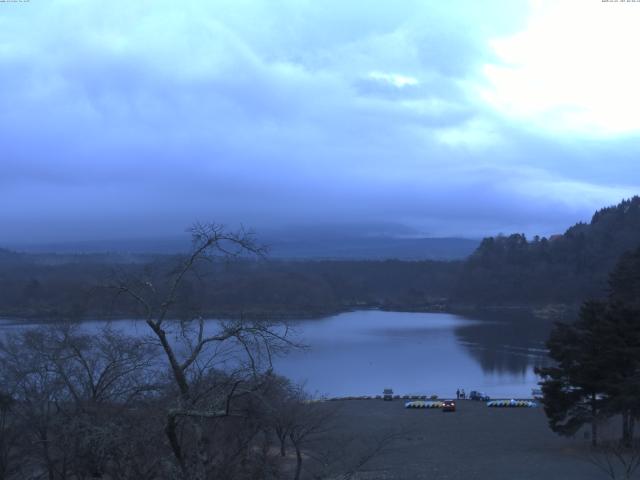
(504, 270)
(563, 268)
(51, 288)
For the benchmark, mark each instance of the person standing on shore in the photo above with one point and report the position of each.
(458, 394)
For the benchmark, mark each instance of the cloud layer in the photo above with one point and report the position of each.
(136, 118)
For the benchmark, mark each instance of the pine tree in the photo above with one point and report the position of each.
(574, 389)
(624, 281)
(597, 359)
(624, 341)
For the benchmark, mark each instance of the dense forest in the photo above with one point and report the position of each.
(504, 270)
(561, 269)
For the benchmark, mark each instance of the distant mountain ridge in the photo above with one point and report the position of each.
(298, 247)
(375, 248)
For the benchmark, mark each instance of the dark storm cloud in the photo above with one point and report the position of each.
(136, 119)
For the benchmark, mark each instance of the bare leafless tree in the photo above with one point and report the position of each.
(72, 393)
(615, 459)
(310, 427)
(310, 420)
(192, 399)
(192, 347)
(8, 437)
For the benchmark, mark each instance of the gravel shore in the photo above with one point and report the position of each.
(475, 442)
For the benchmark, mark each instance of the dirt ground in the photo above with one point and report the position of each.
(475, 442)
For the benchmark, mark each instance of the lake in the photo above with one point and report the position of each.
(363, 352)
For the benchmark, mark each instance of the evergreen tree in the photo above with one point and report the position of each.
(574, 389)
(624, 281)
(621, 333)
(624, 341)
(597, 359)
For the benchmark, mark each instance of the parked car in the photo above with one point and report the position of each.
(449, 406)
(387, 394)
(475, 395)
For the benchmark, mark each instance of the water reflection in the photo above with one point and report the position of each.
(502, 345)
(360, 353)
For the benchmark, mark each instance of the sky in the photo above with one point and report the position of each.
(460, 118)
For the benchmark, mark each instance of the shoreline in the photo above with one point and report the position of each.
(544, 312)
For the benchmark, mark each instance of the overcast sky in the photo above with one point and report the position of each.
(135, 118)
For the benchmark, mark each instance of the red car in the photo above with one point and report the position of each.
(448, 406)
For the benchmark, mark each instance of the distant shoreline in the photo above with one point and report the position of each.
(548, 312)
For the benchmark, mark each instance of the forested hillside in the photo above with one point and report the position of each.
(563, 268)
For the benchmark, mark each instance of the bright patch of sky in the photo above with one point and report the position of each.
(394, 79)
(573, 69)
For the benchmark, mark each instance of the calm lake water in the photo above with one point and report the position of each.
(363, 352)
